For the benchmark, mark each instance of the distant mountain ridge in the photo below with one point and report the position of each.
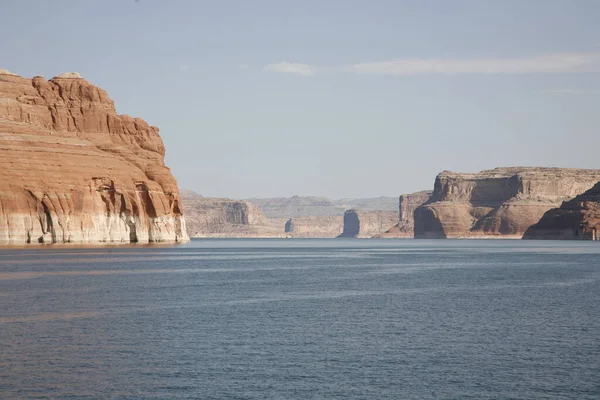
(303, 206)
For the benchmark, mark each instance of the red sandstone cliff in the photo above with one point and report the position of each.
(73, 170)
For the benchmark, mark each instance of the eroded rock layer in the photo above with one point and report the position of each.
(315, 226)
(74, 171)
(503, 202)
(221, 217)
(366, 224)
(407, 205)
(576, 219)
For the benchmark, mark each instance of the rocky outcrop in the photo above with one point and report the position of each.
(220, 217)
(366, 224)
(75, 171)
(213, 217)
(576, 219)
(407, 204)
(315, 226)
(503, 202)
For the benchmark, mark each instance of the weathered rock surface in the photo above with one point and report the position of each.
(214, 217)
(407, 204)
(315, 226)
(503, 202)
(220, 217)
(366, 224)
(73, 170)
(576, 219)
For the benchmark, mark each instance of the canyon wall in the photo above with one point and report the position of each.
(220, 217)
(366, 224)
(318, 217)
(576, 219)
(75, 171)
(407, 204)
(315, 226)
(503, 202)
(215, 217)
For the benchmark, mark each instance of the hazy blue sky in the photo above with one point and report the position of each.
(340, 98)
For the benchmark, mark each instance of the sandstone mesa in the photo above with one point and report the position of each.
(576, 219)
(502, 202)
(75, 171)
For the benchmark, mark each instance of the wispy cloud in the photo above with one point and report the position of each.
(291, 68)
(184, 67)
(538, 64)
(243, 66)
(571, 91)
(550, 63)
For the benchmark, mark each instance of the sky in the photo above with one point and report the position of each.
(336, 98)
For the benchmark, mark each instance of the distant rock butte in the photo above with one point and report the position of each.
(366, 224)
(218, 217)
(221, 217)
(315, 226)
(575, 219)
(503, 202)
(74, 171)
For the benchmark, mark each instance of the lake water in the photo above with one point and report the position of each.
(302, 319)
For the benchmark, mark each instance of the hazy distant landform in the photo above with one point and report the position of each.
(512, 202)
(75, 171)
(297, 216)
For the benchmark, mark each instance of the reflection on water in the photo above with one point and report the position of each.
(297, 319)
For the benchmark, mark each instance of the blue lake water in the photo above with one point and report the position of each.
(302, 319)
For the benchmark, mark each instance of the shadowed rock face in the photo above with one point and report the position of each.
(408, 203)
(577, 219)
(351, 224)
(366, 224)
(405, 227)
(289, 226)
(499, 202)
(75, 171)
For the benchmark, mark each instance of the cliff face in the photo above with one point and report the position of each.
(366, 224)
(407, 204)
(577, 219)
(498, 202)
(315, 226)
(73, 170)
(214, 217)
